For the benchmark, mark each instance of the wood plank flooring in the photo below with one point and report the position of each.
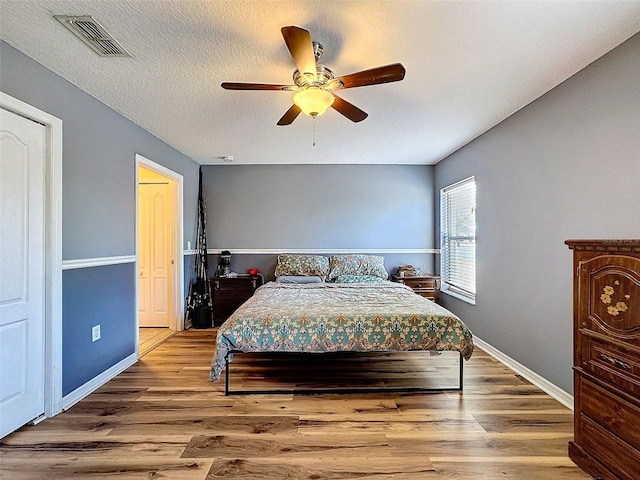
(163, 419)
(151, 337)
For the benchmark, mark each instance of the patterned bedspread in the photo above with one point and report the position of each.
(328, 317)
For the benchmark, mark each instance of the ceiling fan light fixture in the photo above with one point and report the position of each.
(313, 101)
(315, 82)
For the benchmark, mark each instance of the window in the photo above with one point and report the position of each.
(458, 239)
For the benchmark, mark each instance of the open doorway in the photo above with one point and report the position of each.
(159, 254)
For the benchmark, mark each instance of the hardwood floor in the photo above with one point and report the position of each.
(163, 418)
(151, 337)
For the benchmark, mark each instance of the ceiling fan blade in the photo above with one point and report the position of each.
(349, 110)
(252, 86)
(298, 42)
(374, 76)
(290, 116)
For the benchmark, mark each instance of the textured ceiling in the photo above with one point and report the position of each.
(470, 64)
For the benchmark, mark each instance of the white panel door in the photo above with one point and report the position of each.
(22, 237)
(154, 255)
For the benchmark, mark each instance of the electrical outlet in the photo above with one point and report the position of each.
(95, 333)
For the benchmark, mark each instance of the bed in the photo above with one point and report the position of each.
(323, 317)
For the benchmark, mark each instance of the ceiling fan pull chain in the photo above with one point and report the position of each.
(313, 122)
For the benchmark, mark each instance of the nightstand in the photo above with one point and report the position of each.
(231, 292)
(427, 286)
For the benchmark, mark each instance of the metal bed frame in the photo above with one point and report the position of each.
(316, 391)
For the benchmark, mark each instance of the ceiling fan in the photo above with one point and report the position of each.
(315, 84)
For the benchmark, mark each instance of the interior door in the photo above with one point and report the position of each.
(22, 236)
(154, 254)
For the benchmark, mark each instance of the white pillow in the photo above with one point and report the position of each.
(301, 279)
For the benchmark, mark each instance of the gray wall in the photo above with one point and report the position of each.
(98, 213)
(320, 207)
(109, 289)
(99, 147)
(566, 166)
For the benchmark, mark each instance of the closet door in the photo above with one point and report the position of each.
(22, 234)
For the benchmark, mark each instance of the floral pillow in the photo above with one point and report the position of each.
(358, 279)
(357, 265)
(297, 265)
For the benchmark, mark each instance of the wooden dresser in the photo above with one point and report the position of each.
(425, 285)
(231, 292)
(606, 336)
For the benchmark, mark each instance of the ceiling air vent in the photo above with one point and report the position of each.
(87, 29)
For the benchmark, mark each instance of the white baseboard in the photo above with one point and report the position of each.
(79, 393)
(542, 383)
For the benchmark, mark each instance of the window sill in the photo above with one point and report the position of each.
(459, 296)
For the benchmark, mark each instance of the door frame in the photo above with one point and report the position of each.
(176, 323)
(52, 249)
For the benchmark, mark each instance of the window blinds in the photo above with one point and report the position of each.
(458, 236)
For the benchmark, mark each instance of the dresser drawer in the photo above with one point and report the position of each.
(232, 284)
(620, 457)
(234, 294)
(619, 417)
(613, 364)
(425, 292)
(420, 283)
